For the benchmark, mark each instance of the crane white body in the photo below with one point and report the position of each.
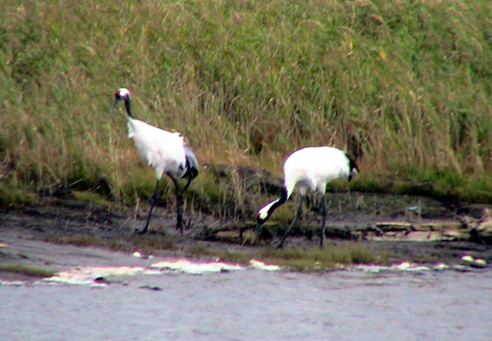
(160, 149)
(313, 167)
(164, 151)
(310, 169)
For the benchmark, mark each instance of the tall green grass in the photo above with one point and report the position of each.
(404, 86)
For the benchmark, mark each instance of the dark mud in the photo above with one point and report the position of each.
(72, 222)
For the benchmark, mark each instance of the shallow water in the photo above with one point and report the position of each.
(256, 305)
(400, 303)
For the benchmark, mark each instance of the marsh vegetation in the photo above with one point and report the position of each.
(403, 86)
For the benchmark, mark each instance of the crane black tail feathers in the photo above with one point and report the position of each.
(191, 164)
(190, 177)
(352, 167)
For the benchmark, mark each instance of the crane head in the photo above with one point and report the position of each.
(263, 215)
(121, 94)
(261, 219)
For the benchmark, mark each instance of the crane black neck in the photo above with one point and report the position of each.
(280, 201)
(128, 108)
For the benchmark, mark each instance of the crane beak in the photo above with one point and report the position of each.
(115, 104)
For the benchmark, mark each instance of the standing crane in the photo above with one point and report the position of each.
(165, 151)
(310, 169)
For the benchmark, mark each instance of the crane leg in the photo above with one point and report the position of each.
(154, 200)
(322, 236)
(298, 216)
(179, 212)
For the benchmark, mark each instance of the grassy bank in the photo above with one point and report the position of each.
(403, 86)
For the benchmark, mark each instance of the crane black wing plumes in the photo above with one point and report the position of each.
(191, 165)
(352, 167)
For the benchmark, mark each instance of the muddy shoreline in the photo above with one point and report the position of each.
(76, 223)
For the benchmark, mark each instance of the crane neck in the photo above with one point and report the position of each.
(279, 202)
(128, 108)
(267, 211)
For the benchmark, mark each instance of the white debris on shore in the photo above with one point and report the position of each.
(90, 275)
(11, 283)
(99, 276)
(256, 264)
(143, 256)
(103, 276)
(198, 268)
(474, 262)
(414, 267)
(186, 266)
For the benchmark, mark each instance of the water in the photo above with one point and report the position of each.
(255, 305)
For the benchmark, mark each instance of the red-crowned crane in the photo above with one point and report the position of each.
(165, 151)
(310, 169)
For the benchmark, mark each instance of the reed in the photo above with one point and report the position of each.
(404, 86)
